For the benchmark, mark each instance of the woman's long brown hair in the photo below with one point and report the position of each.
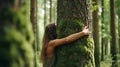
(49, 34)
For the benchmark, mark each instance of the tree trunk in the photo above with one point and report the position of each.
(16, 35)
(33, 15)
(102, 28)
(54, 16)
(45, 14)
(119, 32)
(72, 16)
(33, 18)
(50, 19)
(117, 6)
(96, 36)
(113, 35)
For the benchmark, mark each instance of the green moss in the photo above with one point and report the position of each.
(78, 53)
(17, 20)
(16, 38)
(65, 26)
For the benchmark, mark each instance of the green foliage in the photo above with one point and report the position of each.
(105, 32)
(16, 38)
(93, 7)
(107, 62)
(117, 6)
(118, 56)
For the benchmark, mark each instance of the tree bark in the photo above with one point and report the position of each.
(96, 36)
(33, 15)
(50, 19)
(113, 35)
(33, 18)
(119, 32)
(45, 14)
(102, 28)
(72, 16)
(118, 13)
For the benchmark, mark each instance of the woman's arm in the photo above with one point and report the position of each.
(68, 39)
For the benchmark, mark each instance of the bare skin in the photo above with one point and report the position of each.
(57, 42)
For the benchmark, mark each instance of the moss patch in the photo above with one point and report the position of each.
(79, 53)
(16, 38)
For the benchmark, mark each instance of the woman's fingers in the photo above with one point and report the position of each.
(85, 27)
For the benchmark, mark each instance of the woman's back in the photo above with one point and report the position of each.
(49, 62)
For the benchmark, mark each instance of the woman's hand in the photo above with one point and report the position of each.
(86, 30)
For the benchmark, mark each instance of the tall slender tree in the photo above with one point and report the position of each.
(33, 14)
(54, 13)
(102, 28)
(72, 16)
(113, 35)
(96, 35)
(117, 5)
(33, 18)
(50, 19)
(16, 36)
(45, 13)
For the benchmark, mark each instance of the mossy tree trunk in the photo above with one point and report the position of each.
(71, 18)
(16, 35)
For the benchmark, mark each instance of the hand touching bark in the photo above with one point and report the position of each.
(86, 30)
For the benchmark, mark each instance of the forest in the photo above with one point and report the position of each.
(23, 24)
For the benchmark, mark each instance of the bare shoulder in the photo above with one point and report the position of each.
(52, 42)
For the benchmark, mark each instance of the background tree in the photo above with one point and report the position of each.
(72, 16)
(54, 11)
(16, 36)
(113, 35)
(96, 35)
(33, 19)
(117, 5)
(45, 13)
(50, 19)
(102, 28)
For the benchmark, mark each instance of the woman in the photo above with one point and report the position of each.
(50, 41)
